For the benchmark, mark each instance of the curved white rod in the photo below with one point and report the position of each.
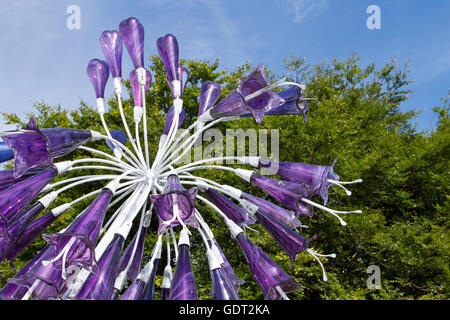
(127, 129)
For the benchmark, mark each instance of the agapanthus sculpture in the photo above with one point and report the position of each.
(91, 258)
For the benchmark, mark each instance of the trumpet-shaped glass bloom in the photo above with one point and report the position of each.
(76, 245)
(100, 286)
(209, 94)
(285, 216)
(226, 267)
(132, 33)
(170, 118)
(150, 290)
(98, 72)
(291, 242)
(222, 287)
(168, 51)
(30, 147)
(135, 267)
(7, 177)
(316, 177)
(268, 275)
(111, 43)
(294, 104)
(287, 193)
(12, 232)
(235, 105)
(175, 205)
(183, 282)
(17, 197)
(229, 208)
(32, 231)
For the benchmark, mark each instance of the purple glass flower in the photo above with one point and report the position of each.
(111, 43)
(150, 290)
(183, 282)
(294, 104)
(32, 231)
(285, 216)
(168, 51)
(100, 286)
(10, 234)
(268, 275)
(291, 242)
(136, 291)
(137, 92)
(137, 259)
(229, 208)
(118, 135)
(77, 243)
(209, 94)
(184, 77)
(174, 195)
(170, 118)
(132, 33)
(222, 287)
(6, 153)
(229, 272)
(287, 193)
(235, 105)
(34, 147)
(316, 177)
(13, 291)
(50, 281)
(62, 141)
(98, 72)
(7, 177)
(30, 147)
(17, 197)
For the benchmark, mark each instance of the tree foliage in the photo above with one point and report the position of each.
(404, 197)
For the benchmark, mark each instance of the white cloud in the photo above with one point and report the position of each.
(302, 9)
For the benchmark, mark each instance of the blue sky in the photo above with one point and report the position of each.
(42, 60)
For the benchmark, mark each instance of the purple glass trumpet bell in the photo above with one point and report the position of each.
(268, 275)
(168, 51)
(183, 282)
(132, 33)
(316, 177)
(170, 118)
(174, 195)
(111, 44)
(98, 73)
(100, 286)
(209, 94)
(235, 104)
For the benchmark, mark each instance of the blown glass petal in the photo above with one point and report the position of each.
(229, 208)
(132, 33)
(168, 51)
(267, 273)
(111, 43)
(209, 94)
(98, 73)
(100, 286)
(183, 282)
(316, 177)
(30, 147)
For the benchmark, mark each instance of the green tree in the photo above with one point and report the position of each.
(404, 197)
